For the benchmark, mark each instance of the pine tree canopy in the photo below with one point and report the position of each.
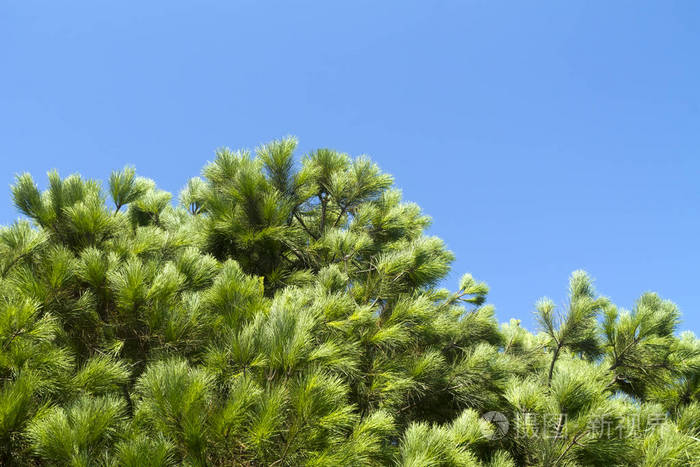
(288, 311)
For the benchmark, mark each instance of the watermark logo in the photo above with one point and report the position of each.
(538, 425)
(500, 423)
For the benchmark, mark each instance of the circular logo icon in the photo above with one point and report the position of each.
(500, 423)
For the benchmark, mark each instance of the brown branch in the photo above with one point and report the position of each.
(324, 205)
(342, 212)
(303, 225)
(554, 360)
(571, 444)
(13, 262)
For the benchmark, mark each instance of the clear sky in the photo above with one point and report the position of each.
(541, 137)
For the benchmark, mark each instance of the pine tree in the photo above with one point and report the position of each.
(289, 312)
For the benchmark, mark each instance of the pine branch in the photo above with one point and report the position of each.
(303, 225)
(340, 216)
(324, 202)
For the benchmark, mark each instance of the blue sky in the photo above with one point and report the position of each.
(541, 137)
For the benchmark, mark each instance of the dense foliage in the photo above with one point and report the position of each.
(289, 314)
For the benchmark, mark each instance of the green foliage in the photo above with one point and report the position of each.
(125, 187)
(101, 375)
(76, 435)
(175, 399)
(577, 330)
(287, 312)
